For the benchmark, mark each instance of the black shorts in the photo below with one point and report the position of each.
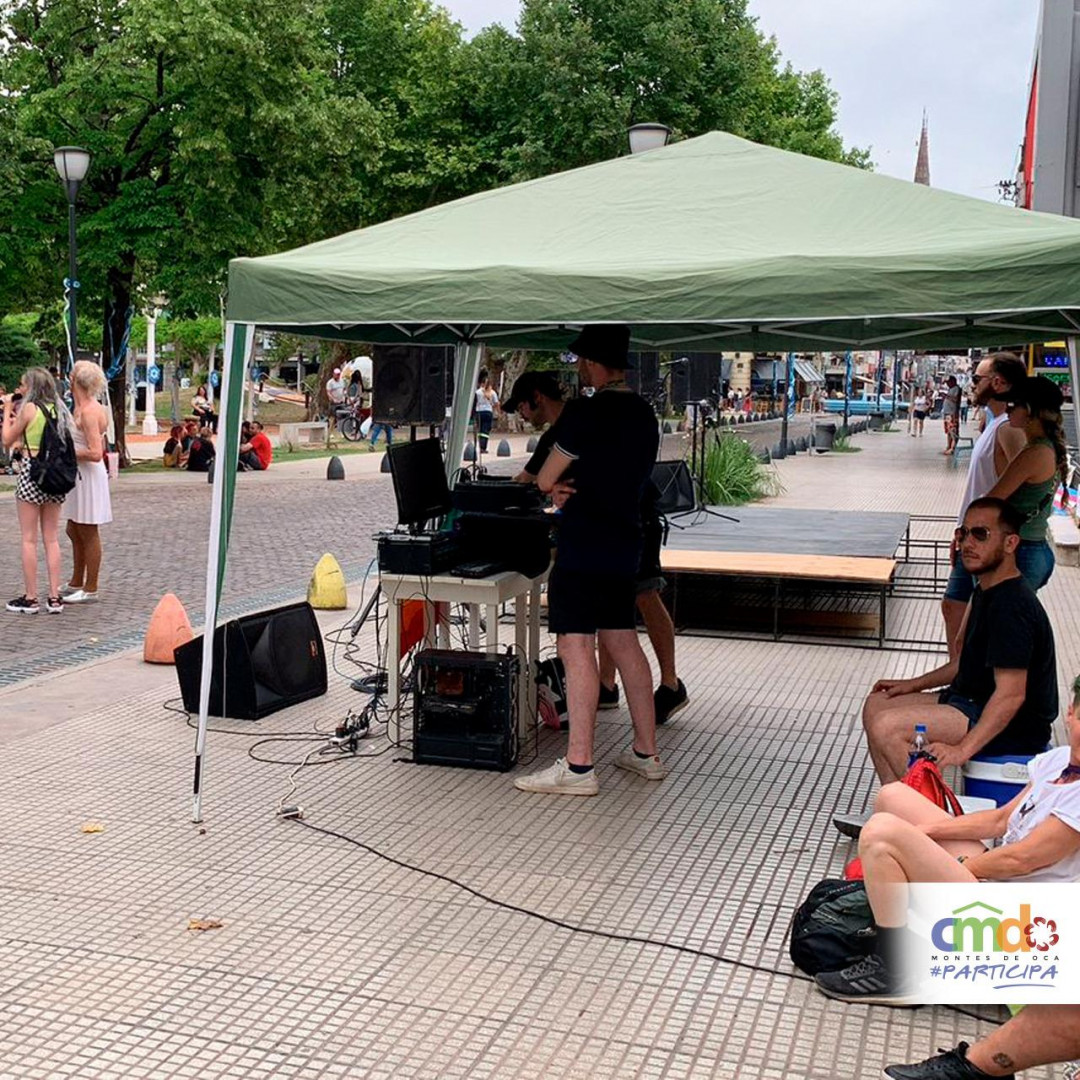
(580, 602)
(650, 576)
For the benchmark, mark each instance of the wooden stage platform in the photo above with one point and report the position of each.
(784, 570)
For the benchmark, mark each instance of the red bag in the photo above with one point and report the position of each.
(925, 777)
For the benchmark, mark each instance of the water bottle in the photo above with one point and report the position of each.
(918, 745)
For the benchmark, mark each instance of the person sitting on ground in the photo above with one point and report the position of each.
(191, 430)
(911, 839)
(1034, 475)
(203, 409)
(1037, 1035)
(201, 452)
(994, 380)
(537, 397)
(256, 453)
(1000, 694)
(173, 455)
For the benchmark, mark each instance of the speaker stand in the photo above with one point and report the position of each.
(697, 476)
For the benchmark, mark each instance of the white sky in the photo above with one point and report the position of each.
(967, 62)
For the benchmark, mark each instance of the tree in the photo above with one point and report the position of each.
(213, 134)
(18, 351)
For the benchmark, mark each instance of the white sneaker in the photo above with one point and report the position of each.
(67, 590)
(559, 780)
(652, 768)
(80, 596)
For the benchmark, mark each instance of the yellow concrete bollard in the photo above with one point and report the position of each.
(326, 592)
(169, 628)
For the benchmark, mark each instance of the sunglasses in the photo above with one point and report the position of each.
(980, 533)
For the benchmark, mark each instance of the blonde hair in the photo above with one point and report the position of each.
(41, 391)
(88, 377)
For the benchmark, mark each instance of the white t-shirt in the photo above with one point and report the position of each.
(1045, 800)
(335, 390)
(485, 403)
(920, 403)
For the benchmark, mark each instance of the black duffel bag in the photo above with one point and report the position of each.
(833, 927)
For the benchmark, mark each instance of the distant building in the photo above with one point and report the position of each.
(922, 162)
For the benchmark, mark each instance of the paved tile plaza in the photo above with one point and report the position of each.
(334, 962)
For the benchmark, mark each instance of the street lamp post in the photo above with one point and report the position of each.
(644, 137)
(72, 163)
(150, 424)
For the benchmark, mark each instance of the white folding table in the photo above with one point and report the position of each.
(475, 593)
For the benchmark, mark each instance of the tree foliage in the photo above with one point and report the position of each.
(221, 128)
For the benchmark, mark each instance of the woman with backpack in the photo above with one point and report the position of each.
(90, 504)
(25, 416)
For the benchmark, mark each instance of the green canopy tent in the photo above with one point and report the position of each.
(714, 243)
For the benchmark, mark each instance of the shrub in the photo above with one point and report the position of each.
(734, 475)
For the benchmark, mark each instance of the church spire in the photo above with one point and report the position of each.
(922, 163)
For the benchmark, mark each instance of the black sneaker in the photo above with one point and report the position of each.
(867, 982)
(22, 606)
(668, 702)
(609, 697)
(948, 1065)
(851, 825)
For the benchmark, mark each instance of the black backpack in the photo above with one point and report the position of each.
(833, 927)
(54, 467)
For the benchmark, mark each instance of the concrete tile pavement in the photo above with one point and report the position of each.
(333, 962)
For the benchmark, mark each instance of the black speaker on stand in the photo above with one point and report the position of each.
(261, 663)
(408, 384)
(643, 375)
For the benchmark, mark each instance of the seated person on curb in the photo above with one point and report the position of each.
(256, 453)
(537, 398)
(909, 838)
(607, 445)
(1000, 694)
(1037, 1035)
(173, 455)
(201, 452)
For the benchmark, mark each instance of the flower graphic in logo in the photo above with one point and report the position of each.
(1041, 933)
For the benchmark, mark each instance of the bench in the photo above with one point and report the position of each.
(309, 433)
(965, 444)
(1066, 539)
(876, 574)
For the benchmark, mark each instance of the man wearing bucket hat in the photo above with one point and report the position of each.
(602, 456)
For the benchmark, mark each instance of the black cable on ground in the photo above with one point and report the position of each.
(562, 924)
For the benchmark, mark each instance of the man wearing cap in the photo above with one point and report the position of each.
(537, 397)
(335, 393)
(603, 453)
(538, 400)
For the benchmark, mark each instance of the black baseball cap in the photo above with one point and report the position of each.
(607, 345)
(533, 382)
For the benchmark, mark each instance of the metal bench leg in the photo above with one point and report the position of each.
(776, 610)
(881, 621)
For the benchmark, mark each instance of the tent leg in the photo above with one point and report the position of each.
(467, 368)
(238, 346)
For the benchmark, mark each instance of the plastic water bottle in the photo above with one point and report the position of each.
(918, 744)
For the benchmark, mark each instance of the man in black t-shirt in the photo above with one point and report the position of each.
(606, 444)
(1000, 694)
(537, 397)
(201, 452)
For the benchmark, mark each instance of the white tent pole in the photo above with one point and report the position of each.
(466, 368)
(234, 366)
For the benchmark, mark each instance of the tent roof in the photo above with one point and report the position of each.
(714, 242)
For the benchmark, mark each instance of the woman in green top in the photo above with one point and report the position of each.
(1032, 478)
(25, 420)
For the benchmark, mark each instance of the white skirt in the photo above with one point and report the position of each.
(89, 502)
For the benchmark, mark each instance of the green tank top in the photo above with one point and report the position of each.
(1035, 502)
(32, 434)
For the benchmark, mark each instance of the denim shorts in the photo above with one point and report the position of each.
(1035, 560)
(971, 709)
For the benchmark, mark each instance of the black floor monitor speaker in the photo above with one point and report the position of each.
(262, 663)
(695, 377)
(676, 487)
(409, 384)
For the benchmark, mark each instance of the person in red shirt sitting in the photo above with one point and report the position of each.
(256, 453)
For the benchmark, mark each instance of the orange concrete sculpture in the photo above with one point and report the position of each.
(169, 627)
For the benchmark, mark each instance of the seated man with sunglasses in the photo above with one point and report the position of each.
(1000, 694)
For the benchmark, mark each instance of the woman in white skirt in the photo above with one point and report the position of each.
(89, 505)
